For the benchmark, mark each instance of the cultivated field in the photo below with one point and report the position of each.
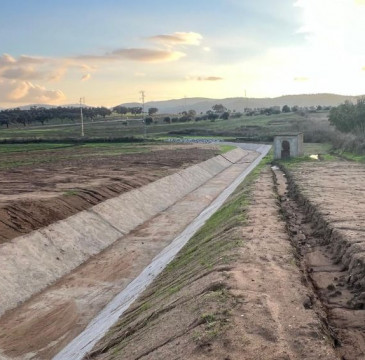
(254, 128)
(43, 183)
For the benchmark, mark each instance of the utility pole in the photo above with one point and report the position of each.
(144, 120)
(82, 101)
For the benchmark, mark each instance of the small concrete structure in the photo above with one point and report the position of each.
(288, 145)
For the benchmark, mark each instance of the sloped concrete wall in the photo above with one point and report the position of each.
(32, 262)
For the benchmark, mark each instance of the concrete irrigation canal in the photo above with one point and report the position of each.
(63, 286)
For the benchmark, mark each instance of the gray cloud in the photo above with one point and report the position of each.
(141, 54)
(24, 73)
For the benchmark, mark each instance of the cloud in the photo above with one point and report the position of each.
(24, 91)
(207, 48)
(148, 55)
(86, 77)
(204, 78)
(140, 55)
(6, 60)
(24, 73)
(301, 78)
(178, 38)
(363, 68)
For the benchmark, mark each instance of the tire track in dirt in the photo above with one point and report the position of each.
(337, 301)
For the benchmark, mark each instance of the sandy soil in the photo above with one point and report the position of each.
(253, 308)
(273, 321)
(33, 196)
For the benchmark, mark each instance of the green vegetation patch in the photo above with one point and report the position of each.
(225, 148)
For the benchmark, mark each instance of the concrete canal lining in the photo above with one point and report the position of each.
(32, 262)
(110, 314)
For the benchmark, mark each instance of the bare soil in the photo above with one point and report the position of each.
(249, 302)
(327, 224)
(40, 327)
(58, 183)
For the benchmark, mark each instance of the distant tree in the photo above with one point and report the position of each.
(191, 113)
(286, 109)
(295, 108)
(236, 115)
(219, 108)
(319, 108)
(349, 118)
(135, 110)
(213, 116)
(225, 115)
(185, 118)
(148, 121)
(121, 109)
(167, 120)
(152, 111)
(4, 118)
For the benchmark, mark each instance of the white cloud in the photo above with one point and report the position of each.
(86, 77)
(178, 38)
(204, 78)
(24, 91)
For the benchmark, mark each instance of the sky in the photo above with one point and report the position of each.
(107, 51)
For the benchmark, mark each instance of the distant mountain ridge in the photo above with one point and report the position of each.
(240, 103)
(201, 104)
(46, 106)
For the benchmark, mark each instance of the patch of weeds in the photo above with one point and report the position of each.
(351, 156)
(225, 148)
(174, 289)
(208, 318)
(145, 306)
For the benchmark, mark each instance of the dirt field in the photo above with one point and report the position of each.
(328, 229)
(46, 183)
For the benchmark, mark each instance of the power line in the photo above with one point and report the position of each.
(82, 101)
(144, 118)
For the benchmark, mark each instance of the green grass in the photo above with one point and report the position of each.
(255, 127)
(225, 148)
(17, 155)
(350, 156)
(317, 148)
(11, 148)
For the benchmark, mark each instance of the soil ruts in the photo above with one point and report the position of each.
(316, 210)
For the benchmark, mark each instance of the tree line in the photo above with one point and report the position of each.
(42, 115)
(349, 117)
